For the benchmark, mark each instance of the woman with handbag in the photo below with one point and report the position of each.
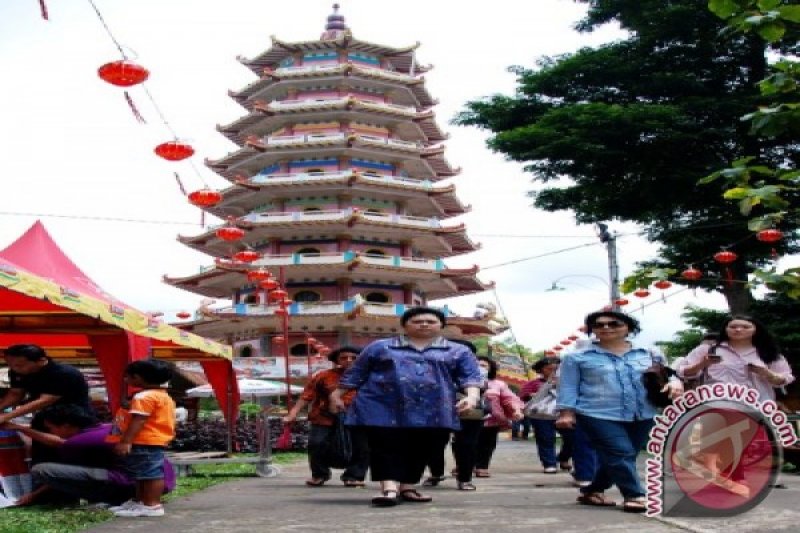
(602, 388)
(505, 408)
(544, 427)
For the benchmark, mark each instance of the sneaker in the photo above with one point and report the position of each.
(141, 510)
(126, 505)
(551, 470)
(581, 484)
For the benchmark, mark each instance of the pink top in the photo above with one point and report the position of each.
(733, 368)
(503, 401)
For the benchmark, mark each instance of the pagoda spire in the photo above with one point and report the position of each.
(335, 26)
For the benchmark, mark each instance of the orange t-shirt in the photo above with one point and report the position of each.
(158, 429)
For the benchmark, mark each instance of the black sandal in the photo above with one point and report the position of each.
(413, 496)
(433, 481)
(388, 499)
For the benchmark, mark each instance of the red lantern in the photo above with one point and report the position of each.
(183, 315)
(582, 329)
(549, 352)
(123, 73)
(229, 233)
(205, 198)
(725, 257)
(174, 151)
(558, 348)
(573, 337)
(286, 302)
(769, 235)
(278, 294)
(280, 311)
(641, 293)
(246, 256)
(621, 301)
(279, 339)
(692, 274)
(662, 284)
(566, 342)
(260, 274)
(269, 284)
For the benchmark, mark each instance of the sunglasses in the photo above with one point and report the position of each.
(612, 324)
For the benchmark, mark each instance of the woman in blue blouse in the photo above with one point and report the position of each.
(406, 400)
(601, 387)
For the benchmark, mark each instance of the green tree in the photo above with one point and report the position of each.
(769, 194)
(626, 130)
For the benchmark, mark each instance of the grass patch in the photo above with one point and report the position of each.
(50, 519)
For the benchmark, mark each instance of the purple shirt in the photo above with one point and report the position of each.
(400, 386)
(89, 448)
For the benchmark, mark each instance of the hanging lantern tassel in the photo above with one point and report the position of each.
(43, 8)
(134, 110)
(180, 184)
(202, 219)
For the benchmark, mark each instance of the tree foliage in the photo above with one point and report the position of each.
(769, 194)
(626, 130)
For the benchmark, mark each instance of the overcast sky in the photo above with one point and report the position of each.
(70, 145)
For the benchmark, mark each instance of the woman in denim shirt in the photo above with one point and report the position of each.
(601, 387)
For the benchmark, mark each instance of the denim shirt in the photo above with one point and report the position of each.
(401, 386)
(599, 384)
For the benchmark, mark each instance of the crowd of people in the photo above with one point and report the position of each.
(404, 400)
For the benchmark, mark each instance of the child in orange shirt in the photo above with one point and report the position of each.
(141, 433)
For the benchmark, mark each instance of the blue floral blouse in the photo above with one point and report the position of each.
(400, 386)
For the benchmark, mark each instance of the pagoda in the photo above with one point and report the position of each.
(338, 181)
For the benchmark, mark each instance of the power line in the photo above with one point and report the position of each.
(105, 219)
(554, 252)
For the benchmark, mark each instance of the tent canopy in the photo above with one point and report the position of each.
(46, 299)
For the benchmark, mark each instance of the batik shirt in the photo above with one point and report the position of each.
(401, 386)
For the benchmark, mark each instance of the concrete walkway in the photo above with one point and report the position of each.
(518, 497)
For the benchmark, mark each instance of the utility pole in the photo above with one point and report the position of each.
(610, 241)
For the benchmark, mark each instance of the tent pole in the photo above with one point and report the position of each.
(229, 408)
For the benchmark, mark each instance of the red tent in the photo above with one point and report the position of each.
(46, 299)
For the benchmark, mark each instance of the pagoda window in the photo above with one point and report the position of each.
(378, 297)
(251, 299)
(311, 210)
(308, 251)
(373, 211)
(299, 350)
(375, 252)
(315, 171)
(246, 351)
(307, 296)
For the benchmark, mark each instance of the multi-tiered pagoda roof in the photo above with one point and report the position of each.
(339, 177)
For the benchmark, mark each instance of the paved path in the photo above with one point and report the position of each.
(518, 497)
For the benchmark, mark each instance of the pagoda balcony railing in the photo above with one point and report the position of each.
(323, 308)
(340, 214)
(338, 258)
(321, 176)
(338, 137)
(337, 101)
(383, 73)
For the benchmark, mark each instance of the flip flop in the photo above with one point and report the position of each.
(634, 506)
(315, 482)
(388, 499)
(595, 499)
(353, 483)
(482, 473)
(413, 496)
(433, 481)
(466, 485)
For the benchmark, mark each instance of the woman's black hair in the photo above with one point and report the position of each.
(545, 361)
(711, 336)
(31, 352)
(334, 355)
(415, 311)
(632, 323)
(492, 366)
(151, 371)
(766, 346)
(468, 344)
(71, 414)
